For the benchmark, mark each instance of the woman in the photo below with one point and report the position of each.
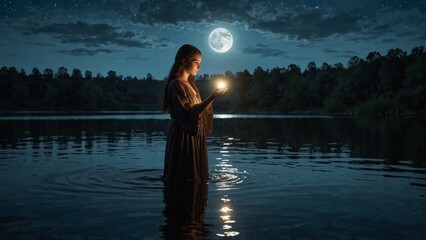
(192, 119)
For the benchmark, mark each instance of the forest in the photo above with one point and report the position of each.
(393, 84)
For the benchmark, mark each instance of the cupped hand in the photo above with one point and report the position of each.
(219, 92)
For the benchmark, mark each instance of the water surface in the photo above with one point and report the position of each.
(272, 177)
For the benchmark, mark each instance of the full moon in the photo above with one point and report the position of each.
(220, 40)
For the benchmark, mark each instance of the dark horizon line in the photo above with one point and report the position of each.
(418, 48)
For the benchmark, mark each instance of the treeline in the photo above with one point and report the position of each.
(61, 91)
(390, 84)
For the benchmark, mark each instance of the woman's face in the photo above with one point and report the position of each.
(193, 65)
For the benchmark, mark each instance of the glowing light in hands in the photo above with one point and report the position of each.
(221, 85)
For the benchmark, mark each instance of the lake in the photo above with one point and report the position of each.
(97, 176)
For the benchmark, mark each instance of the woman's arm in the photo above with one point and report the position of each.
(184, 112)
(214, 94)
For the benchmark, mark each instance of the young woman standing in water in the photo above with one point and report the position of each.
(192, 119)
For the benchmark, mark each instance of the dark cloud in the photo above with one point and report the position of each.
(406, 33)
(153, 12)
(292, 19)
(263, 51)
(328, 50)
(138, 58)
(377, 27)
(350, 52)
(311, 25)
(388, 40)
(297, 19)
(42, 44)
(85, 51)
(361, 38)
(95, 35)
(306, 44)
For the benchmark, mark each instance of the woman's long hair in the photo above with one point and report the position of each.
(185, 52)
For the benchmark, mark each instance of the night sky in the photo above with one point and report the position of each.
(139, 37)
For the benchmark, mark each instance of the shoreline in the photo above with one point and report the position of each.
(313, 113)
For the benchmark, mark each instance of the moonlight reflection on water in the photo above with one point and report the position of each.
(276, 176)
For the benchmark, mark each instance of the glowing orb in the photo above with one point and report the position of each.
(221, 85)
(221, 40)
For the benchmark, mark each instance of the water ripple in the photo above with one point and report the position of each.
(104, 181)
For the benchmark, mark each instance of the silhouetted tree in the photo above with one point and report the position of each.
(48, 73)
(392, 70)
(311, 70)
(354, 61)
(62, 72)
(36, 73)
(76, 74)
(149, 76)
(88, 75)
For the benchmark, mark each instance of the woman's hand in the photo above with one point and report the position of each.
(219, 92)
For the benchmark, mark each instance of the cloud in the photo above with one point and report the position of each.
(361, 20)
(153, 12)
(294, 19)
(42, 44)
(263, 50)
(297, 19)
(328, 50)
(95, 35)
(311, 25)
(388, 40)
(406, 33)
(139, 58)
(350, 52)
(306, 44)
(85, 51)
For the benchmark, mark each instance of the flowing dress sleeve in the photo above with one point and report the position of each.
(183, 107)
(208, 119)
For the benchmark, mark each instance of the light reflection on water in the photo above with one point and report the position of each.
(272, 177)
(226, 177)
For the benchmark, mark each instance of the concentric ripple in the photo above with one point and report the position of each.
(104, 181)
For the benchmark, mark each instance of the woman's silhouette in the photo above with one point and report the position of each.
(186, 148)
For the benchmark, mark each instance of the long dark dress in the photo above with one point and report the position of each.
(186, 149)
